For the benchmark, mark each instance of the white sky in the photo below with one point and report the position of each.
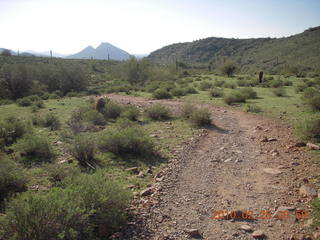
(142, 26)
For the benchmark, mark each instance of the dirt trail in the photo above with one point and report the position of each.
(224, 169)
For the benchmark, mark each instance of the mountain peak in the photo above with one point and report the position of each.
(104, 51)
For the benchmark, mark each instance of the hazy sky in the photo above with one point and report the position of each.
(141, 26)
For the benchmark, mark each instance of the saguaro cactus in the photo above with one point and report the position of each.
(260, 77)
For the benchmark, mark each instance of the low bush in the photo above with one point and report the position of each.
(316, 212)
(230, 85)
(59, 172)
(205, 85)
(234, 97)
(112, 110)
(310, 130)
(39, 104)
(300, 87)
(52, 122)
(191, 90)
(158, 112)
(129, 140)
(161, 94)
(131, 113)
(5, 102)
(11, 178)
(218, 83)
(275, 83)
(34, 149)
(248, 93)
(24, 102)
(311, 96)
(216, 93)
(252, 108)
(12, 129)
(200, 117)
(178, 92)
(88, 203)
(279, 92)
(75, 121)
(187, 110)
(84, 150)
(94, 117)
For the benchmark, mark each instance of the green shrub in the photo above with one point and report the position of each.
(11, 178)
(158, 112)
(56, 214)
(161, 94)
(84, 150)
(94, 117)
(230, 85)
(218, 83)
(5, 102)
(112, 110)
(216, 93)
(191, 90)
(301, 87)
(24, 102)
(252, 108)
(75, 121)
(276, 83)
(287, 83)
(131, 113)
(310, 130)
(12, 129)
(248, 93)
(200, 117)
(187, 110)
(279, 92)
(52, 122)
(129, 140)
(204, 85)
(234, 97)
(59, 172)
(104, 199)
(314, 102)
(178, 92)
(34, 149)
(316, 212)
(39, 104)
(34, 98)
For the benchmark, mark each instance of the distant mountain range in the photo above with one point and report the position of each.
(103, 51)
(255, 54)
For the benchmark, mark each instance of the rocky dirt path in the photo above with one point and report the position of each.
(247, 164)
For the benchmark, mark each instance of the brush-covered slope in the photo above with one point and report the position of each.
(250, 54)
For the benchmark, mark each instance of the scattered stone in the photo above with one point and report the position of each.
(308, 191)
(299, 144)
(258, 234)
(62, 161)
(141, 174)
(193, 233)
(274, 152)
(147, 192)
(258, 128)
(228, 160)
(153, 135)
(271, 171)
(272, 139)
(313, 146)
(264, 139)
(316, 235)
(246, 228)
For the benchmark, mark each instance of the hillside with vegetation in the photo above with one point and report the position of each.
(297, 53)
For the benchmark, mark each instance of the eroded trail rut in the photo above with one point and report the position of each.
(243, 164)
